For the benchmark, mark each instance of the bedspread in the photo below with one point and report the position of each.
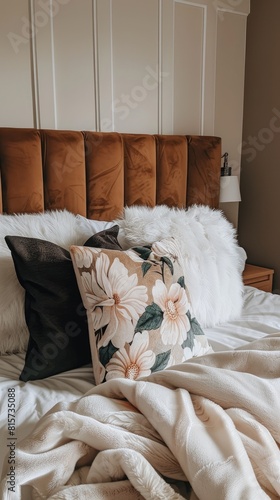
(213, 421)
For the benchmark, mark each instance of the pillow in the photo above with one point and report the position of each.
(91, 226)
(105, 239)
(138, 310)
(212, 260)
(58, 226)
(242, 257)
(54, 312)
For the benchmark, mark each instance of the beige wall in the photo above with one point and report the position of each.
(230, 92)
(259, 213)
(154, 66)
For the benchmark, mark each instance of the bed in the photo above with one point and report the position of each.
(201, 417)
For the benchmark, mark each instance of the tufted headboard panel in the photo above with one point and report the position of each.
(96, 174)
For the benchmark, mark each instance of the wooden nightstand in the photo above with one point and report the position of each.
(259, 277)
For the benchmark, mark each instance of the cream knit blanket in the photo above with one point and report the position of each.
(213, 420)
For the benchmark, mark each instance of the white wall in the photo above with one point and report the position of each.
(153, 66)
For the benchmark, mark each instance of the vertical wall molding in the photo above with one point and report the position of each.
(44, 61)
(229, 88)
(53, 70)
(159, 66)
(34, 68)
(203, 59)
(167, 66)
(111, 64)
(96, 65)
(203, 72)
(103, 54)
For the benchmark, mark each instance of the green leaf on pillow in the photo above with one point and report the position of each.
(181, 282)
(194, 330)
(189, 342)
(151, 318)
(195, 326)
(106, 353)
(197, 330)
(168, 262)
(161, 361)
(145, 267)
(143, 252)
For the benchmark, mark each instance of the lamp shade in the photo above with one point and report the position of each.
(229, 189)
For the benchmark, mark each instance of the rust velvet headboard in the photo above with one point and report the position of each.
(97, 174)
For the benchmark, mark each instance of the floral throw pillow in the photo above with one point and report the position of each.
(138, 309)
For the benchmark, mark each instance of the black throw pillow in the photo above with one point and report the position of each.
(105, 239)
(54, 312)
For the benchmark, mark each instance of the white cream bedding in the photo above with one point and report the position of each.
(260, 316)
(213, 421)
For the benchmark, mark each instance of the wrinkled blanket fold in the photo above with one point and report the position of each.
(213, 421)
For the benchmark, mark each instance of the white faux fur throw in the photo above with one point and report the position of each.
(213, 420)
(212, 259)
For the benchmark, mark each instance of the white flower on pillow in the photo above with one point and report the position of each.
(134, 256)
(167, 247)
(174, 305)
(83, 256)
(132, 361)
(111, 288)
(199, 349)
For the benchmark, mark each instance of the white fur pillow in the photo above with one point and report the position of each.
(212, 258)
(59, 227)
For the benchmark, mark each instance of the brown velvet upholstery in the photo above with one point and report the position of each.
(96, 174)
